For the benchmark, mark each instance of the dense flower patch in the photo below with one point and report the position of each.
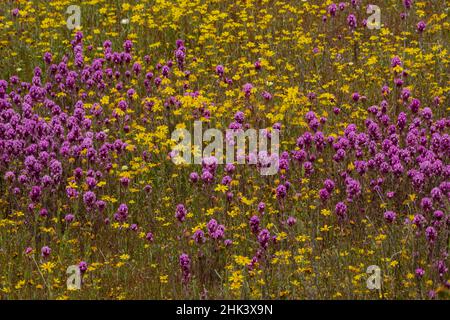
(86, 150)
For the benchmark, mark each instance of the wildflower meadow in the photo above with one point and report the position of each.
(224, 149)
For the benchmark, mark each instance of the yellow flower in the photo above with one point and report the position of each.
(221, 188)
(48, 266)
(20, 284)
(124, 257)
(241, 260)
(236, 280)
(163, 278)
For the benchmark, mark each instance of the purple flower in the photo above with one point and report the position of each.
(430, 234)
(438, 214)
(398, 82)
(10, 176)
(407, 4)
(426, 204)
(194, 177)
(291, 221)
(219, 233)
(239, 117)
(267, 96)
(149, 237)
(341, 210)
(261, 207)
(148, 188)
(332, 8)
(436, 194)
(45, 251)
(35, 193)
(180, 213)
(419, 220)
(432, 294)
(89, 199)
(124, 181)
(199, 236)
(226, 180)
(281, 191)
(264, 238)
(329, 185)
(396, 62)
(351, 21)
(220, 70)
(83, 266)
(414, 105)
(230, 168)
(212, 226)
(122, 213)
(441, 268)
(421, 26)
(324, 194)
(390, 216)
(100, 204)
(247, 89)
(254, 224)
(43, 212)
(353, 188)
(185, 264)
(15, 12)
(128, 45)
(419, 273)
(207, 176)
(69, 217)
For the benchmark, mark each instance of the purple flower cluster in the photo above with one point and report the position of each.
(215, 230)
(185, 265)
(180, 212)
(52, 121)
